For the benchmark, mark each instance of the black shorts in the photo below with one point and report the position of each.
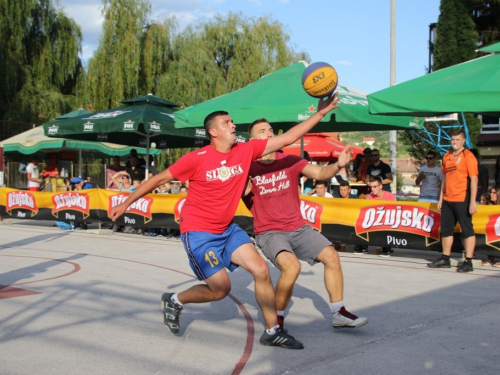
(451, 212)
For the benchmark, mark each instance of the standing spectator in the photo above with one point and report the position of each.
(379, 168)
(321, 190)
(151, 168)
(378, 193)
(457, 201)
(430, 175)
(497, 171)
(141, 161)
(362, 167)
(111, 171)
(136, 171)
(33, 174)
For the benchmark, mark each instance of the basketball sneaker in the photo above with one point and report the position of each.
(466, 266)
(282, 339)
(344, 319)
(171, 312)
(440, 263)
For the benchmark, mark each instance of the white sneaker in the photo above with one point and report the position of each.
(344, 319)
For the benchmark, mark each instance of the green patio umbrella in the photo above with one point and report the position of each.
(472, 86)
(280, 98)
(141, 122)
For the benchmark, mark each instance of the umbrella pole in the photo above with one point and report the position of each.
(148, 145)
(80, 163)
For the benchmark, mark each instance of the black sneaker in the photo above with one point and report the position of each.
(440, 263)
(466, 266)
(360, 249)
(171, 312)
(280, 338)
(386, 253)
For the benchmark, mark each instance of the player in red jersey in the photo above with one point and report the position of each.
(217, 176)
(273, 198)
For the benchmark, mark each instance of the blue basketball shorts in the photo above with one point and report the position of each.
(208, 253)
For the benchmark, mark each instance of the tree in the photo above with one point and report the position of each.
(223, 55)
(455, 43)
(486, 16)
(39, 61)
(456, 35)
(115, 69)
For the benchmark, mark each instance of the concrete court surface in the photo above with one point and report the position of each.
(78, 302)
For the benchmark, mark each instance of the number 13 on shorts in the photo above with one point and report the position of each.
(211, 258)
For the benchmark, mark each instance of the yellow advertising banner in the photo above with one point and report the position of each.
(350, 221)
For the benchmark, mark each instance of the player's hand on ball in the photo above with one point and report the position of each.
(328, 104)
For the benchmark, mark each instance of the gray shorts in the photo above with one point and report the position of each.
(305, 243)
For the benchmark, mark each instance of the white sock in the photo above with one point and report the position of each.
(272, 331)
(336, 306)
(175, 299)
(280, 312)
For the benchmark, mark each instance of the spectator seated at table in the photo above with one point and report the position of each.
(51, 168)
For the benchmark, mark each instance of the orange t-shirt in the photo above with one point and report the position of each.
(457, 170)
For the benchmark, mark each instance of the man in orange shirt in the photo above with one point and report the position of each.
(457, 201)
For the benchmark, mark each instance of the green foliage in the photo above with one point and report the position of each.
(399, 181)
(486, 16)
(114, 70)
(456, 35)
(455, 43)
(39, 60)
(225, 55)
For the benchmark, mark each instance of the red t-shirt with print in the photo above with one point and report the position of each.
(216, 183)
(274, 200)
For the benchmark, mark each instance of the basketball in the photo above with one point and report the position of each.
(319, 79)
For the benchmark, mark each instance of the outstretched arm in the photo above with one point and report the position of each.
(327, 172)
(142, 190)
(324, 107)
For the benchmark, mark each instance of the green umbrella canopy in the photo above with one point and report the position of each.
(78, 112)
(280, 98)
(472, 86)
(151, 99)
(148, 119)
(33, 141)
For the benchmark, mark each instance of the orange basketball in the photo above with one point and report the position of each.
(319, 79)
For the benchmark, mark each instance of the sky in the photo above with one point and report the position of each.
(351, 35)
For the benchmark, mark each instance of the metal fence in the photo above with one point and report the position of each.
(15, 174)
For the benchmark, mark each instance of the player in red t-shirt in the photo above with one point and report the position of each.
(273, 198)
(217, 176)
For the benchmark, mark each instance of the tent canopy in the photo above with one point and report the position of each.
(472, 86)
(33, 141)
(280, 98)
(320, 147)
